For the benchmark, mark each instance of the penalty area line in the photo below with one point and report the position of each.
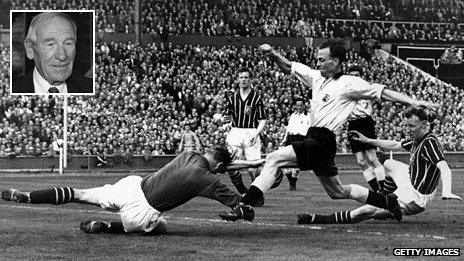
(312, 227)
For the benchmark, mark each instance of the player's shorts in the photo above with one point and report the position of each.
(317, 152)
(293, 138)
(126, 198)
(412, 201)
(365, 126)
(239, 139)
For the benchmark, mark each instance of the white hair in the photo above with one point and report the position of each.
(44, 18)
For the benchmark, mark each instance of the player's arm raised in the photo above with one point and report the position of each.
(446, 181)
(384, 144)
(393, 96)
(284, 64)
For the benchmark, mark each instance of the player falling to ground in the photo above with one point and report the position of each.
(140, 201)
(334, 97)
(360, 120)
(297, 127)
(245, 110)
(415, 185)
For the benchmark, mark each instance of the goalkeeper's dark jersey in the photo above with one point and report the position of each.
(182, 179)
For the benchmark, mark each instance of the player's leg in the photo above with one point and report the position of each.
(283, 157)
(354, 216)
(293, 178)
(334, 188)
(368, 172)
(399, 172)
(127, 198)
(117, 227)
(253, 152)
(379, 169)
(236, 176)
(55, 195)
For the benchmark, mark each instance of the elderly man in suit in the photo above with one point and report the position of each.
(51, 43)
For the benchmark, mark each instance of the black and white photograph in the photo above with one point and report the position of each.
(231, 129)
(52, 52)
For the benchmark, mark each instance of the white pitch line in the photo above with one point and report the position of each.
(244, 223)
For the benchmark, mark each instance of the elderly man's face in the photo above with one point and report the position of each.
(54, 50)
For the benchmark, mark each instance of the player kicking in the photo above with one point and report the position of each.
(415, 185)
(360, 120)
(140, 201)
(334, 97)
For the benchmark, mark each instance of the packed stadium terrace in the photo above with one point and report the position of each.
(141, 107)
(439, 20)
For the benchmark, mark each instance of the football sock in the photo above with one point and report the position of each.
(237, 180)
(377, 200)
(341, 217)
(115, 227)
(56, 196)
(252, 196)
(291, 179)
(374, 184)
(381, 184)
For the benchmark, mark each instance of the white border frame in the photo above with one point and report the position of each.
(93, 52)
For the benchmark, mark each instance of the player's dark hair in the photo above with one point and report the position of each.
(337, 49)
(421, 113)
(245, 69)
(221, 154)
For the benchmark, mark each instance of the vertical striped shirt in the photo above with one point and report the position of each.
(245, 113)
(423, 170)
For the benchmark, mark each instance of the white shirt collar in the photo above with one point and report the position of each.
(41, 86)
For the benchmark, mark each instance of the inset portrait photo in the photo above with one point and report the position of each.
(52, 52)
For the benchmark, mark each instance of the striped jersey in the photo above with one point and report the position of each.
(245, 113)
(423, 170)
(334, 99)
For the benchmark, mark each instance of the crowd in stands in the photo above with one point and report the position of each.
(452, 55)
(433, 19)
(144, 102)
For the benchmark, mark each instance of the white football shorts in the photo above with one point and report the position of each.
(412, 201)
(239, 141)
(126, 198)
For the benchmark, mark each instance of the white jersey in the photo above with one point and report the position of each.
(334, 99)
(298, 124)
(363, 109)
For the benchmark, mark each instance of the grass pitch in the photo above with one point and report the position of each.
(196, 232)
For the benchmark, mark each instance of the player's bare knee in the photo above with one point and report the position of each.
(362, 163)
(389, 165)
(273, 158)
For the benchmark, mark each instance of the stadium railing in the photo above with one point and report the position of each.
(82, 163)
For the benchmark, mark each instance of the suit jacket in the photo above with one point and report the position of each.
(75, 84)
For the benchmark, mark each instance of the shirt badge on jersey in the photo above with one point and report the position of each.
(326, 98)
(247, 109)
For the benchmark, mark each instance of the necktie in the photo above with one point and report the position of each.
(53, 90)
